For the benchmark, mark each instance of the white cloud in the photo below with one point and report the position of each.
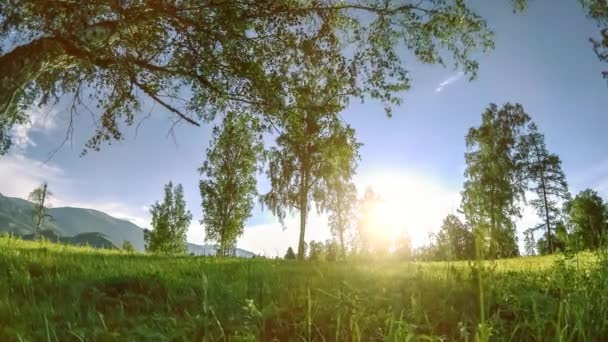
(40, 119)
(449, 81)
(19, 175)
(118, 210)
(196, 232)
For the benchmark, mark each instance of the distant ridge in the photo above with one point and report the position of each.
(83, 226)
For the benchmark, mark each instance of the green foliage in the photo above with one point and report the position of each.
(547, 181)
(127, 246)
(342, 198)
(170, 221)
(316, 251)
(561, 241)
(229, 186)
(588, 214)
(529, 243)
(232, 54)
(598, 11)
(332, 250)
(403, 247)
(5, 138)
(290, 255)
(84, 294)
(314, 153)
(40, 197)
(455, 241)
(494, 178)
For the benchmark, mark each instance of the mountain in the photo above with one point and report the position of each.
(212, 249)
(96, 240)
(83, 226)
(16, 218)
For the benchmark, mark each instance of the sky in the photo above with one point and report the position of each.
(414, 160)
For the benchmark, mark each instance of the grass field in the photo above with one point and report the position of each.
(60, 293)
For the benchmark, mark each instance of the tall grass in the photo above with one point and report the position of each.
(59, 293)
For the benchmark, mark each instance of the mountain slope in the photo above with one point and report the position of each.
(16, 218)
(80, 226)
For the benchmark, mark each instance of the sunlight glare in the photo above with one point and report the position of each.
(411, 203)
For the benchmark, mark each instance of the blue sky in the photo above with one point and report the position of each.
(543, 60)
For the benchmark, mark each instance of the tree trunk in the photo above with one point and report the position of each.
(547, 220)
(40, 212)
(545, 203)
(341, 226)
(222, 251)
(303, 214)
(25, 63)
(38, 225)
(22, 65)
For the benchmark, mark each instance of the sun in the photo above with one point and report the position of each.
(386, 217)
(411, 204)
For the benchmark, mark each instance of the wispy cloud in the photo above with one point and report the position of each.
(448, 81)
(19, 175)
(40, 119)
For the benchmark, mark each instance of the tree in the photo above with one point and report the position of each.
(316, 251)
(40, 197)
(127, 246)
(588, 213)
(494, 178)
(403, 248)
(372, 237)
(529, 242)
(230, 185)
(332, 250)
(170, 221)
(209, 56)
(598, 11)
(342, 199)
(314, 150)
(455, 240)
(560, 241)
(548, 181)
(290, 255)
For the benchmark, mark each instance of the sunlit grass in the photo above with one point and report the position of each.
(64, 293)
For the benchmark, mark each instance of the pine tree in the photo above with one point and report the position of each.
(230, 185)
(290, 255)
(170, 221)
(548, 181)
(529, 243)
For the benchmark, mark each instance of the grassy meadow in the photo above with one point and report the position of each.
(60, 293)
